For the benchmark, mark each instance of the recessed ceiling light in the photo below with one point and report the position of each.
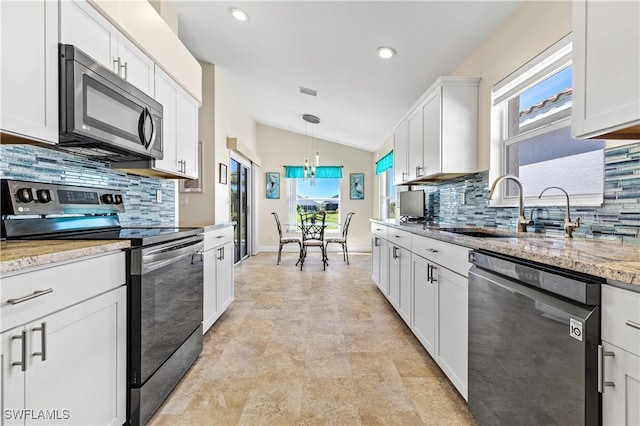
(240, 15)
(385, 52)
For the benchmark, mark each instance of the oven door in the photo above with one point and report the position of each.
(99, 109)
(165, 302)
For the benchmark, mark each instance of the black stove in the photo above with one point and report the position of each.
(164, 278)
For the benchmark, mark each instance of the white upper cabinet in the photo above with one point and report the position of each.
(179, 129)
(400, 153)
(29, 78)
(83, 26)
(606, 69)
(438, 138)
(416, 146)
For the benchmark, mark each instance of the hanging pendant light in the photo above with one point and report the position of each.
(309, 172)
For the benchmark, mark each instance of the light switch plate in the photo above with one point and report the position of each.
(158, 196)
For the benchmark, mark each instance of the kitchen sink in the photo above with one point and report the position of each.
(481, 233)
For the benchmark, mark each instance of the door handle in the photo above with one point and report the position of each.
(633, 324)
(116, 68)
(23, 351)
(35, 294)
(125, 70)
(43, 341)
(601, 380)
(395, 252)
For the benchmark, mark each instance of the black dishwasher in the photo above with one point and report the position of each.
(534, 332)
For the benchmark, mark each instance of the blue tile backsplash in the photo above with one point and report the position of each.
(32, 163)
(618, 218)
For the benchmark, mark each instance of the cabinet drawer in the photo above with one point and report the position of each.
(69, 283)
(399, 238)
(619, 309)
(379, 230)
(217, 237)
(451, 256)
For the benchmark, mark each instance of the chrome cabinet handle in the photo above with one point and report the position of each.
(403, 176)
(35, 294)
(633, 324)
(125, 70)
(395, 252)
(220, 236)
(43, 341)
(23, 350)
(418, 169)
(375, 242)
(116, 62)
(430, 250)
(601, 380)
(431, 275)
(221, 251)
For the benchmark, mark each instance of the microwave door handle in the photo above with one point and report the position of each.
(142, 128)
(153, 132)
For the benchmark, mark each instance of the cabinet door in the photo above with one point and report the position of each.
(404, 300)
(209, 293)
(621, 402)
(187, 133)
(224, 280)
(84, 27)
(431, 119)
(453, 304)
(606, 66)
(400, 153)
(375, 259)
(424, 304)
(135, 67)
(13, 378)
(85, 367)
(167, 94)
(415, 138)
(384, 266)
(394, 275)
(29, 78)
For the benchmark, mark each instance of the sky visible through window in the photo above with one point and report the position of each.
(324, 188)
(546, 88)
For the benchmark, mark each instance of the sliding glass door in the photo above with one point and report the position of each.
(239, 208)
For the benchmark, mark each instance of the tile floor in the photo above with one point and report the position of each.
(311, 347)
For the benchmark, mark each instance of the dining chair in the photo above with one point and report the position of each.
(343, 239)
(287, 240)
(312, 225)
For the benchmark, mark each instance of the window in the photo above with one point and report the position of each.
(387, 195)
(531, 130)
(323, 194)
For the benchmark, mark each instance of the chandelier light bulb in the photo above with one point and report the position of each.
(317, 158)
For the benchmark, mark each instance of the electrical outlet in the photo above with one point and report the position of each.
(463, 198)
(158, 196)
(184, 200)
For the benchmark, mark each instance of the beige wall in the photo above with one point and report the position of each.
(198, 208)
(231, 121)
(532, 28)
(278, 148)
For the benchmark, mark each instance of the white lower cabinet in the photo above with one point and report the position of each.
(424, 303)
(452, 332)
(426, 282)
(67, 365)
(621, 350)
(218, 291)
(621, 397)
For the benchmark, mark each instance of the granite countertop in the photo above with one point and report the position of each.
(17, 255)
(616, 261)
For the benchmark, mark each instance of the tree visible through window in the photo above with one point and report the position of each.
(323, 195)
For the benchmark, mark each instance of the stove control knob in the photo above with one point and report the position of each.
(43, 195)
(107, 198)
(25, 195)
(118, 199)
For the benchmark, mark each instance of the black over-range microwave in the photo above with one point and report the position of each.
(103, 116)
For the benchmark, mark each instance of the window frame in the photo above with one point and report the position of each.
(293, 219)
(552, 60)
(386, 184)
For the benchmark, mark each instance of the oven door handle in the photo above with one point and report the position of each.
(163, 258)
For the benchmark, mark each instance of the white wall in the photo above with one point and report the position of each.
(278, 148)
(231, 121)
(531, 29)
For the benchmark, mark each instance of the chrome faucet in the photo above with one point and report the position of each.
(568, 225)
(522, 222)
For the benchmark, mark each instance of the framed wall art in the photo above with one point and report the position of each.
(272, 182)
(356, 186)
(223, 173)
